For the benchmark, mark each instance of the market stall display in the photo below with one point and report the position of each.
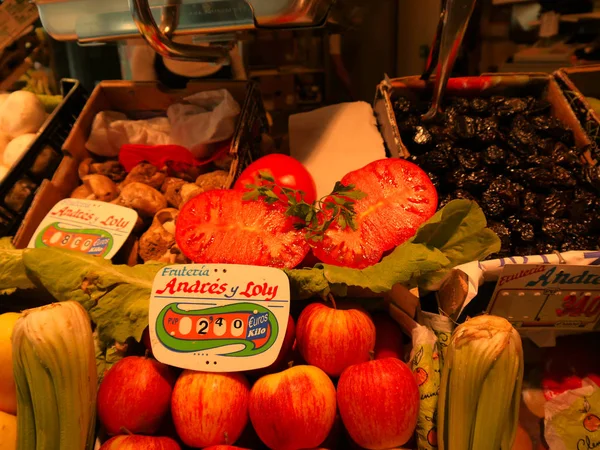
(386, 344)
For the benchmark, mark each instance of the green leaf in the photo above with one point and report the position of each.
(251, 195)
(13, 274)
(116, 297)
(342, 222)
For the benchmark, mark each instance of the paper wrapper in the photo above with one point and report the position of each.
(443, 327)
(573, 419)
(425, 362)
(478, 272)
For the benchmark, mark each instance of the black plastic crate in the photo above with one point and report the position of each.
(41, 160)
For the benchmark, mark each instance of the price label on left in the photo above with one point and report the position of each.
(86, 226)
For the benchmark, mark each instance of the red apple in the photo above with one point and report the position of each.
(335, 338)
(285, 354)
(135, 442)
(135, 395)
(224, 447)
(293, 409)
(210, 408)
(388, 342)
(379, 403)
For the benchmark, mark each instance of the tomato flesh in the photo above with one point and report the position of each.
(400, 198)
(219, 227)
(287, 172)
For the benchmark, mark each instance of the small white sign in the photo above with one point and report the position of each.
(218, 317)
(558, 296)
(87, 226)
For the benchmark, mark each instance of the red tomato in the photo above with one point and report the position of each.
(400, 198)
(287, 172)
(219, 227)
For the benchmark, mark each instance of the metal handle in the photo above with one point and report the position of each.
(160, 38)
(456, 19)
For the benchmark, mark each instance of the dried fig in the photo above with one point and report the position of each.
(102, 187)
(82, 192)
(213, 180)
(158, 243)
(171, 189)
(145, 173)
(111, 169)
(189, 191)
(146, 200)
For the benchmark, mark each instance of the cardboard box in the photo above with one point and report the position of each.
(522, 84)
(142, 100)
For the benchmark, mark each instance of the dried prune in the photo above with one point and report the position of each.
(531, 199)
(512, 161)
(465, 127)
(539, 178)
(422, 136)
(462, 195)
(402, 106)
(545, 146)
(540, 161)
(503, 233)
(444, 200)
(436, 160)
(456, 178)
(555, 205)
(523, 232)
(494, 156)
(480, 106)
(434, 180)
(592, 175)
(460, 104)
(555, 229)
(408, 124)
(564, 156)
(477, 181)
(551, 126)
(468, 159)
(522, 138)
(511, 107)
(531, 214)
(578, 243)
(545, 248)
(562, 178)
(492, 205)
(487, 130)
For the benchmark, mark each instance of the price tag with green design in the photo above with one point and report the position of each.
(86, 226)
(218, 317)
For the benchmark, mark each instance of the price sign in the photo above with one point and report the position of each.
(218, 317)
(559, 296)
(86, 226)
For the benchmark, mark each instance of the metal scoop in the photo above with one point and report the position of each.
(451, 31)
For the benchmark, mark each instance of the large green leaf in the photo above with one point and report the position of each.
(12, 270)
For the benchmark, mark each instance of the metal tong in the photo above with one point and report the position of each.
(452, 26)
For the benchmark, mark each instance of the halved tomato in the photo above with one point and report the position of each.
(219, 227)
(400, 198)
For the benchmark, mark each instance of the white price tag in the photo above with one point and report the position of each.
(560, 296)
(218, 317)
(87, 226)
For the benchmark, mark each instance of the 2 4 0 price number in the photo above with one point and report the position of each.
(220, 327)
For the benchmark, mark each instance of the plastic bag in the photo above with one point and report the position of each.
(205, 118)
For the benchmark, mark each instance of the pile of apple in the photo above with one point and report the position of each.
(352, 377)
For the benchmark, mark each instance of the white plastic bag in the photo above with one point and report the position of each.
(205, 118)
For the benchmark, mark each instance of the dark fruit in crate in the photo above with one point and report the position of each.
(436, 160)
(555, 230)
(583, 201)
(465, 127)
(523, 232)
(492, 205)
(463, 195)
(539, 178)
(555, 204)
(538, 107)
(487, 130)
(435, 180)
(562, 178)
(422, 136)
(445, 200)
(540, 161)
(460, 104)
(522, 139)
(402, 106)
(477, 181)
(564, 156)
(456, 178)
(531, 199)
(592, 176)
(545, 146)
(468, 159)
(480, 106)
(545, 248)
(510, 107)
(503, 233)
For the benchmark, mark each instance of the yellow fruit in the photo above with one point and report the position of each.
(8, 395)
(8, 431)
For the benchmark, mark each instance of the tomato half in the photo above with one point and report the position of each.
(400, 198)
(219, 227)
(287, 172)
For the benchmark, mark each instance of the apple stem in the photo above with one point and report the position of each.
(332, 300)
(291, 364)
(371, 355)
(226, 438)
(147, 354)
(126, 431)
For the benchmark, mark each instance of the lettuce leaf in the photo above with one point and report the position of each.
(455, 235)
(13, 274)
(117, 297)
